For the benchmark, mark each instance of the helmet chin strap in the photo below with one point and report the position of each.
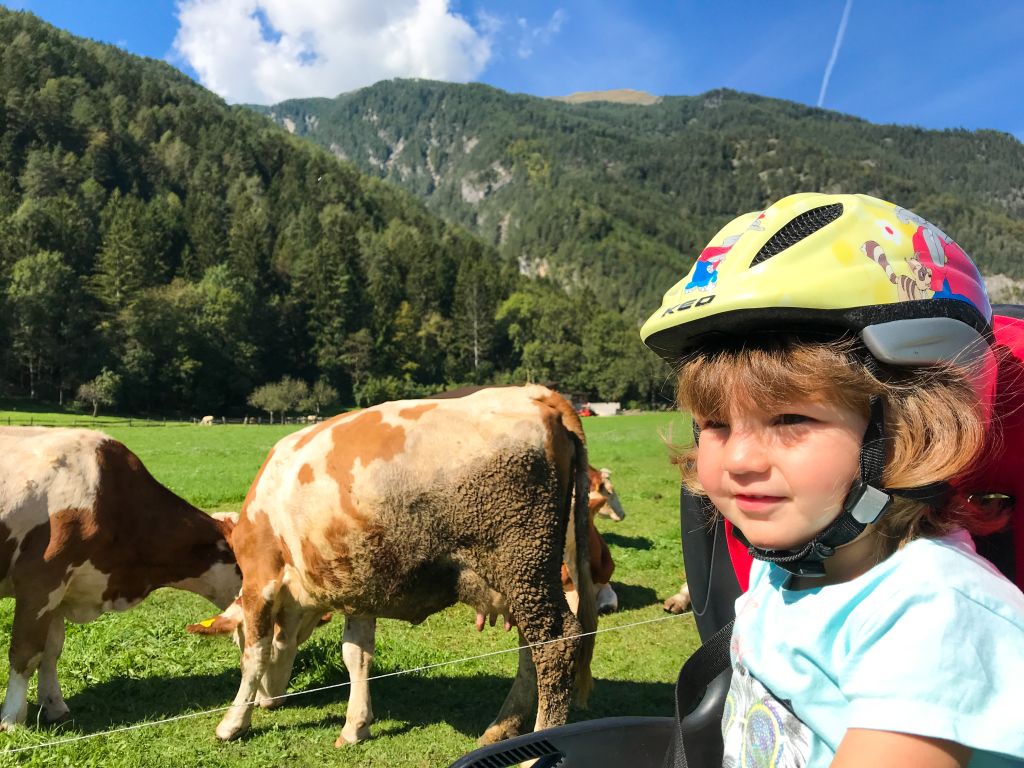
(866, 501)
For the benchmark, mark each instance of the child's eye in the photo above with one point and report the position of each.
(711, 424)
(791, 419)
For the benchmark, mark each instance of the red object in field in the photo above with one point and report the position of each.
(585, 411)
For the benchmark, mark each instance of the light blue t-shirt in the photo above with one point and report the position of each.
(929, 642)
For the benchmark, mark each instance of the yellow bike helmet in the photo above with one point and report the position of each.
(832, 265)
(845, 262)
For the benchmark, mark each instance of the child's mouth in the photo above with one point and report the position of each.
(757, 503)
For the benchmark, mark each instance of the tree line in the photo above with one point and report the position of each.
(194, 252)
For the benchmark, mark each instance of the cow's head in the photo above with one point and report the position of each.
(221, 580)
(228, 620)
(603, 499)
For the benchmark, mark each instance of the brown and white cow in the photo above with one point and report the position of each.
(401, 510)
(85, 529)
(603, 501)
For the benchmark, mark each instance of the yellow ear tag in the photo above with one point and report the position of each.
(207, 622)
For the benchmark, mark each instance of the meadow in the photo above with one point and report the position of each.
(124, 672)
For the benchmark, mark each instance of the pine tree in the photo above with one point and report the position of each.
(123, 267)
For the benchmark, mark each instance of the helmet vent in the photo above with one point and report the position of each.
(807, 223)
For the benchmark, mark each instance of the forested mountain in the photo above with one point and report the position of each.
(194, 251)
(183, 252)
(617, 197)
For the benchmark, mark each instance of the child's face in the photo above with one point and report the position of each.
(781, 478)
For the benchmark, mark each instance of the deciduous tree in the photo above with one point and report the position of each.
(100, 391)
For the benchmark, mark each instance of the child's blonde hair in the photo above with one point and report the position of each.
(934, 422)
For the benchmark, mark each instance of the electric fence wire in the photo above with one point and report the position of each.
(427, 667)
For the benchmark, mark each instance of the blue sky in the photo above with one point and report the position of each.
(933, 64)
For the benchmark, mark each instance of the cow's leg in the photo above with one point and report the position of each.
(555, 664)
(601, 568)
(259, 621)
(28, 642)
(357, 651)
(51, 699)
(293, 627)
(544, 679)
(520, 702)
(547, 617)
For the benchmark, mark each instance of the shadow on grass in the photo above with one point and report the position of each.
(627, 542)
(467, 704)
(125, 701)
(26, 405)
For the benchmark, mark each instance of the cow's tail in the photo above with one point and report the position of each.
(578, 554)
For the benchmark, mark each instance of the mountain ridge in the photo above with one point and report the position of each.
(619, 198)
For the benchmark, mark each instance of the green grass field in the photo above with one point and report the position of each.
(126, 670)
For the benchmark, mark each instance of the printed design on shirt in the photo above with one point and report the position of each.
(738, 647)
(758, 730)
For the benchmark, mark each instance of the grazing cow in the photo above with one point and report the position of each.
(401, 510)
(85, 529)
(206, 421)
(604, 502)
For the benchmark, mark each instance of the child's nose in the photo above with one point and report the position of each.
(745, 452)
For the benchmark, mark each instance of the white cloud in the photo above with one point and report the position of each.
(265, 51)
(543, 35)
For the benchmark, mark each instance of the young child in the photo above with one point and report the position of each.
(840, 374)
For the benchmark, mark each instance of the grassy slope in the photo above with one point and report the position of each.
(125, 669)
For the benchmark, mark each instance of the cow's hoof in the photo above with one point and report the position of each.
(271, 702)
(56, 717)
(678, 603)
(604, 610)
(497, 732)
(229, 732)
(9, 726)
(353, 736)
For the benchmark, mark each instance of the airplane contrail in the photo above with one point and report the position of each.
(835, 51)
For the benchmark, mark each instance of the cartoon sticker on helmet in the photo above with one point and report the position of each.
(705, 271)
(954, 275)
(917, 285)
